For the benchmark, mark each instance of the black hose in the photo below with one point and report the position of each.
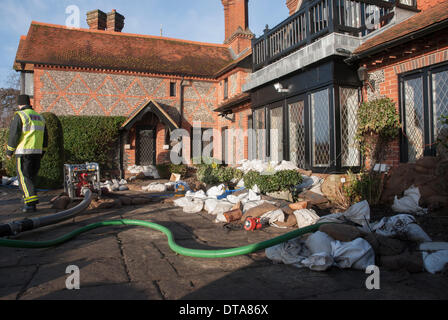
(16, 227)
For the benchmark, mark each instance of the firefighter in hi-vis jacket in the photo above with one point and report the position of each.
(28, 140)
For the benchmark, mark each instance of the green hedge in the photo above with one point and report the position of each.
(9, 165)
(51, 170)
(215, 173)
(3, 145)
(51, 173)
(280, 181)
(165, 170)
(91, 139)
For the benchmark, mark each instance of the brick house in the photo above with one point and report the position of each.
(307, 80)
(299, 84)
(159, 84)
(409, 64)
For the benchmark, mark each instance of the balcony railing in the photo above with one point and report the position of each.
(317, 18)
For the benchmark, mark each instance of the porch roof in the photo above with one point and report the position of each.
(146, 107)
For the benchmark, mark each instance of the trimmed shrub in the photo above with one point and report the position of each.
(165, 170)
(92, 139)
(9, 165)
(51, 173)
(3, 145)
(214, 173)
(280, 181)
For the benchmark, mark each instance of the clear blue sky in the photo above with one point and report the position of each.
(198, 20)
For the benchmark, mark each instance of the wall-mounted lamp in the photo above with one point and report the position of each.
(363, 74)
(225, 115)
(279, 87)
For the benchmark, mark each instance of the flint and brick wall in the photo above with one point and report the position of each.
(81, 93)
(384, 71)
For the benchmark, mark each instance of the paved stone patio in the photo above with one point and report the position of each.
(135, 263)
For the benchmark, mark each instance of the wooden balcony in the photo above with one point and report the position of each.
(317, 18)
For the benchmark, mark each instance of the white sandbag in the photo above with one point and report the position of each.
(240, 198)
(306, 217)
(123, 188)
(220, 218)
(409, 203)
(435, 262)
(318, 262)
(135, 169)
(416, 233)
(221, 207)
(195, 206)
(216, 191)
(253, 196)
(273, 217)
(122, 182)
(319, 242)
(182, 202)
(155, 187)
(198, 194)
(357, 254)
(402, 226)
(252, 204)
(240, 184)
(358, 213)
(210, 205)
(286, 165)
(256, 189)
(433, 246)
(292, 252)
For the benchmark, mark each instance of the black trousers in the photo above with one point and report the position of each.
(27, 168)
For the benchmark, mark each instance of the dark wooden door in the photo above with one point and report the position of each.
(146, 146)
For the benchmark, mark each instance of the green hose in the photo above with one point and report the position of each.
(224, 253)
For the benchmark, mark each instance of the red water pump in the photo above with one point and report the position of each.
(252, 224)
(78, 178)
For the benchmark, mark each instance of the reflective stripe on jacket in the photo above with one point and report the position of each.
(33, 129)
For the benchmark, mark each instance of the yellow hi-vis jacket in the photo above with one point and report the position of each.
(33, 129)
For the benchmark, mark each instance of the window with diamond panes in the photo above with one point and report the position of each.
(260, 134)
(349, 104)
(297, 133)
(414, 118)
(276, 134)
(440, 98)
(320, 121)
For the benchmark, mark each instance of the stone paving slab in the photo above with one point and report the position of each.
(127, 262)
(122, 291)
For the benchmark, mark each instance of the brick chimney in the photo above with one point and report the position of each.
(237, 32)
(115, 21)
(293, 6)
(97, 20)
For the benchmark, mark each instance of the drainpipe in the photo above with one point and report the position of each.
(181, 101)
(22, 82)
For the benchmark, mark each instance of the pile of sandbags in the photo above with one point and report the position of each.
(148, 171)
(428, 174)
(115, 185)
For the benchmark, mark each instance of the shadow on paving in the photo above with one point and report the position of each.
(282, 282)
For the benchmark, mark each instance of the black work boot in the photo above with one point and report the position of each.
(29, 208)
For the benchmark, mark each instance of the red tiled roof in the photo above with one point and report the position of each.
(19, 53)
(233, 102)
(57, 45)
(418, 22)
